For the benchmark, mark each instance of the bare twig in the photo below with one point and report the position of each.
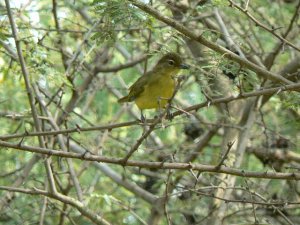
(10, 50)
(43, 210)
(29, 93)
(140, 140)
(102, 69)
(70, 201)
(68, 72)
(246, 5)
(226, 34)
(192, 35)
(266, 91)
(153, 125)
(61, 143)
(156, 165)
(5, 199)
(229, 146)
(269, 60)
(271, 30)
(204, 140)
(166, 197)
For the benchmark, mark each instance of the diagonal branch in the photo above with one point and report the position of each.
(257, 23)
(29, 93)
(269, 60)
(96, 219)
(225, 53)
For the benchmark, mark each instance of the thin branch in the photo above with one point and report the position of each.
(6, 199)
(10, 50)
(225, 53)
(229, 146)
(43, 210)
(257, 23)
(271, 57)
(61, 143)
(166, 198)
(275, 155)
(202, 143)
(102, 69)
(29, 92)
(267, 204)
(79, 49)
(140, 140)
(246, 5)
(266, 91)
(226, 34)
(62, 198)
(153, 125)
(154, 165)
(129, 185)
(78, 129)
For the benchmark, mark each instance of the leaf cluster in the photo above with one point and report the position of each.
(116, 14)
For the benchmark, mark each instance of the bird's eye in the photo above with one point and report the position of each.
(171, 62)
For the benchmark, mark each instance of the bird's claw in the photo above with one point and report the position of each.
(169, 115)
(143, 118)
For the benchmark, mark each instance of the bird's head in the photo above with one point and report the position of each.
(171, 62)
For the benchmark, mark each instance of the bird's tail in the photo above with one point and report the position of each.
(124, 99)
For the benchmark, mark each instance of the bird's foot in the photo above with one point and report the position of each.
(169, 115)
(143, 118)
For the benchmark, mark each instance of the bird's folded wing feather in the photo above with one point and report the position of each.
(138, 87)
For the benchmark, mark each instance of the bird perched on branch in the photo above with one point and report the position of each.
(154, 89)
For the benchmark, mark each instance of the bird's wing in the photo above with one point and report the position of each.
(138, 87)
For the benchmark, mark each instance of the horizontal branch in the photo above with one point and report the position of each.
(275, 155)
(245, 201)
(154, 165)
(225, 52)
(266, 91)
(71, 130)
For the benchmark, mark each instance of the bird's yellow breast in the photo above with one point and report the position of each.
(157, 92)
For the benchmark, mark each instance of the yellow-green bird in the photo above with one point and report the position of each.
(156, 87)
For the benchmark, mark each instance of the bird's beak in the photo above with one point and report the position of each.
(184, 66)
